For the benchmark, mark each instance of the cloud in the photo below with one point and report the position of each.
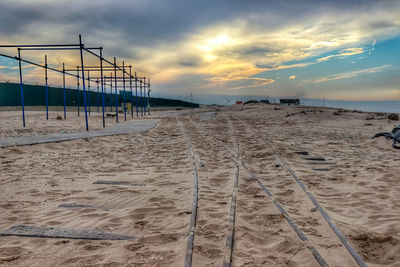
(351, 74)
(282, 67)
(372, 48)
(343, 53)
(23, 67)
(216, 43)
(237, 83)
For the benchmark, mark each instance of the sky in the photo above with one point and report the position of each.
(345, 50)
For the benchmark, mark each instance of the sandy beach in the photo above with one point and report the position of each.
(146, 188)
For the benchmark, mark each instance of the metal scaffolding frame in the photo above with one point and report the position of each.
(81, 69)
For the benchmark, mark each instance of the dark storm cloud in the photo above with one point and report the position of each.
(14, 17)
(150, 22)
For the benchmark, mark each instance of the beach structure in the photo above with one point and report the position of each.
(81, 71)
(290, 101)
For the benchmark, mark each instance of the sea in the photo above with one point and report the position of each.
(389, 106)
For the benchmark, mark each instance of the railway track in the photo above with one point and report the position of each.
(194, 233)
(318, 242)
(307, 193)
(192, 223)
(231, 226)
(293, 225)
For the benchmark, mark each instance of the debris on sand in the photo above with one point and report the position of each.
(393, 116)
(394, 135)
(50, 232)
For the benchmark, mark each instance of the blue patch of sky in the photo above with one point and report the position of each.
(10, 65)
(384, 53)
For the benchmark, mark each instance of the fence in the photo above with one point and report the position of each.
(35, 95)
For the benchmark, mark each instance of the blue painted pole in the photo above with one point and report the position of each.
(123, 82)
(111, 94)
(136, 98)
(130, 85)
(47, 89)
(148, 98)
(89, 92)
(105, 97)
(83, 81)
(141, 98)
(102, 82)
(116, 90)
(78, 102)
(22, 88)
(144, 96)
(65, 97)
(98, 96)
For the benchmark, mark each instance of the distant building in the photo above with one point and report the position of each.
(290, 101)
(239, 102)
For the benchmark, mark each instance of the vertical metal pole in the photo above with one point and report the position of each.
(102, 89)
(111, 95)
(65, 96)
(89, 92)
(47, 89)
(141, 97)
(130, 85)
(22, 87)
(83, 81)
(78, 102)
(98, 96)
(148, 98)
(116, 92)
(144, 96)
(105, 95)
(123, 82)
(136, 98)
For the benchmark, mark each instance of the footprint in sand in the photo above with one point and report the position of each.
(61, 242)
(84, 261)
(161, 239)
(10, 254)
(208, 250)
(92, 247)
(134, 247)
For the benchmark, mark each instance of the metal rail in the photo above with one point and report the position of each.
(294, 226)
(231, 226)
(43, 66)
(338, 233)
(193, 217)
(52, 45)
(227, 261)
